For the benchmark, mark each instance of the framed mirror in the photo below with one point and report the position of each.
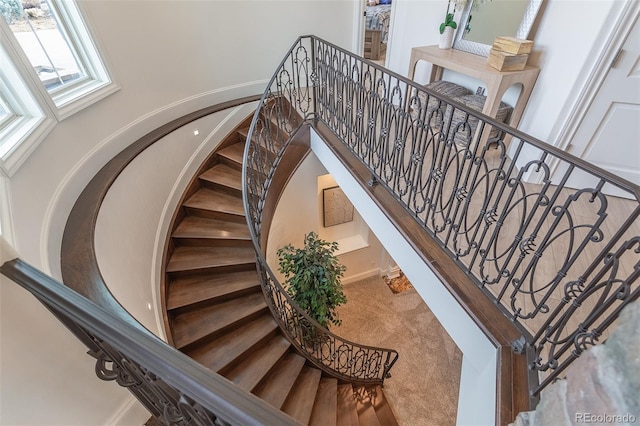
(484, 20)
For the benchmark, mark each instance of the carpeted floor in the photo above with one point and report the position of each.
(423, 389)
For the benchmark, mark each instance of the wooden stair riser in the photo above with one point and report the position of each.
(275, 388)
(189, 260)
(223, 188)
(201, 227)
(236, 343)
(216, 214)
(187, 291)
(248, 266)
(232, 156)
(214, 242)
(250, 370)
(190, 339)
(210, 302)
(325, 408)
(220, 178)
(299, 403)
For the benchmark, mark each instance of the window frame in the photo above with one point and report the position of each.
(29, 122)
(36, 110)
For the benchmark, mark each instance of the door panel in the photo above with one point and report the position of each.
(609, 134)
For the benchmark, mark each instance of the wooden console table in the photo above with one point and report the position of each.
(475, 66)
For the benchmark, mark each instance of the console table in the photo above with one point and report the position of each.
(475, 66)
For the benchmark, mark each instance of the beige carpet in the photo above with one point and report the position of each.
(423, 389)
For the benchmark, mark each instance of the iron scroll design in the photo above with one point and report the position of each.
(285, 105)
(175, 389)
(530, 224)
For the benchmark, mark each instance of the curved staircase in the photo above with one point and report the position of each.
(216, 312)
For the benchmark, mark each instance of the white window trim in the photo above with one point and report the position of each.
(99, 83)
(36, 110)
(29, 125)
(76, 97)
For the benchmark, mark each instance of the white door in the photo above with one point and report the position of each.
(609, 134)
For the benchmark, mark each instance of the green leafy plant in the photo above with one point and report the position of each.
(448, 22)
(313, 276)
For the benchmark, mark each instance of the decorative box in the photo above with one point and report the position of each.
(503, 61)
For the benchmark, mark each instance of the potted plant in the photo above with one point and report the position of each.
(448, 26)
(313, 276)
(448, 22)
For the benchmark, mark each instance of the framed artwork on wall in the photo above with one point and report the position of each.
(336, 207)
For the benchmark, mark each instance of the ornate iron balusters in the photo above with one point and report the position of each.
(528, 222)
(288, 100)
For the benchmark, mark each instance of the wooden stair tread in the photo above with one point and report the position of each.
(226, 349)
(233, 153)
(325, 409)
(224, 175)
(299, 403)
(382, 407)
(189, 327)
(366, 413)
(211, 228)
(347, 411)
(251, 370)
(184, 291)
(245, 134)
(216, 201)
(187, 258)
(276, 386)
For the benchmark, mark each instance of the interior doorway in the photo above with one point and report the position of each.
(376, 25)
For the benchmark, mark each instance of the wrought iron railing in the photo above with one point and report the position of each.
(552, 240)
(175, 389)
(287, 102)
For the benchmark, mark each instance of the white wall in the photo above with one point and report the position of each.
(134, 219)
(299, 212)
(169, 58)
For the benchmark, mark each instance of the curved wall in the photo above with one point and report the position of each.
(134, 219)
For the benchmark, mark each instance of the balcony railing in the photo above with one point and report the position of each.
(286, 104)
(552, 240)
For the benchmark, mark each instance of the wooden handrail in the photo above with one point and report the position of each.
(171, 385)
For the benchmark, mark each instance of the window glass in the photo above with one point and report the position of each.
(48, 48)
